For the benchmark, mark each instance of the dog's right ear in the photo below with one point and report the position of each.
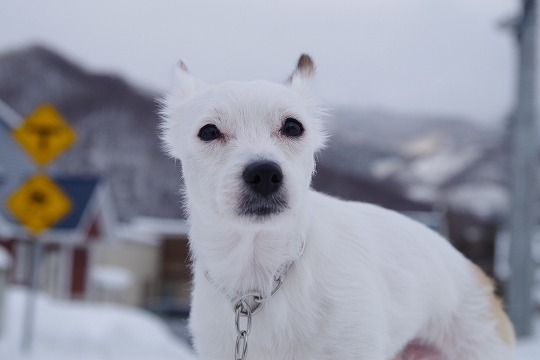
(305, 70)
(184, 84)
(300, 82)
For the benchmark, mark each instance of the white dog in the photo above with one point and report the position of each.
(297, 274)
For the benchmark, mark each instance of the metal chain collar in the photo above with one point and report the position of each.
(244, 309)
(240, 349)
(249, 304)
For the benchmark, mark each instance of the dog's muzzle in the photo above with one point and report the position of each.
(263, 193)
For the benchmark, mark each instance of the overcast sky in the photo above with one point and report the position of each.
(414, 56)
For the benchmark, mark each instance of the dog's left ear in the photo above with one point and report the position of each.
(305, 70)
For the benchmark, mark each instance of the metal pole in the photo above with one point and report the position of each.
(523, 168)
(10, 117)
(30, 309)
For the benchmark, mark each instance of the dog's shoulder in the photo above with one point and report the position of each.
(327, 207)
(373, 227)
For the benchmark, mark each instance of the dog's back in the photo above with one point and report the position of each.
(431, 294)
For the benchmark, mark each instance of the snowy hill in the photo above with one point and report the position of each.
(426, 159)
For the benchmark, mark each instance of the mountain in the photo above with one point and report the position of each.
(400, 161)
(116, 125)
(431, 160)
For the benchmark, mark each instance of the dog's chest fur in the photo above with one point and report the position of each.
(338, 292)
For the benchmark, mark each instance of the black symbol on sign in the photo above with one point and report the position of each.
(38, 198)
(44, 134)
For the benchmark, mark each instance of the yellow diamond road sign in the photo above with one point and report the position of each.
(38, 204)
(44, 134)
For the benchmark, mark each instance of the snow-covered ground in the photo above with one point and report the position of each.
(530, 349)
(67, 330)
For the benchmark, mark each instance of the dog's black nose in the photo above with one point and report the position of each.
(263, 177)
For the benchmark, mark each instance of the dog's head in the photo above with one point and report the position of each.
(247, 148)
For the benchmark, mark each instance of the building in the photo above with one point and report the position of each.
(64, 263)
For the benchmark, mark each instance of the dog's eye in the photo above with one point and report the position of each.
(292, 128)
(209, 132)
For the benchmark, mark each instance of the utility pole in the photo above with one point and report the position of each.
(9, 117)
(523, 167)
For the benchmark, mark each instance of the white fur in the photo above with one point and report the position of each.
(370, 281)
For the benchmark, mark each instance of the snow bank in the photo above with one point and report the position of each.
(529, 349)
(111, 278)
(486, 201)
(67, 330)
(82, 331)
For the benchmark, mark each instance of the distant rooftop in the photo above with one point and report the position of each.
(80, 191)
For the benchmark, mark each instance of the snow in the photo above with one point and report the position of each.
(112, 278)
(529, 349)
(5, 259)
(439, 167)
(150, 230)
(68, 330)
(485, 200)
(387, 167)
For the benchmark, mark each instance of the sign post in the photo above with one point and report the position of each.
(524, 184)
(29, 312)
(38, 204)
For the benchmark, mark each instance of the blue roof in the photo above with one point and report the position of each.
(80, 191)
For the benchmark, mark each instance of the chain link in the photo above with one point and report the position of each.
(246, 306)
(249, 304)
(242, 309)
